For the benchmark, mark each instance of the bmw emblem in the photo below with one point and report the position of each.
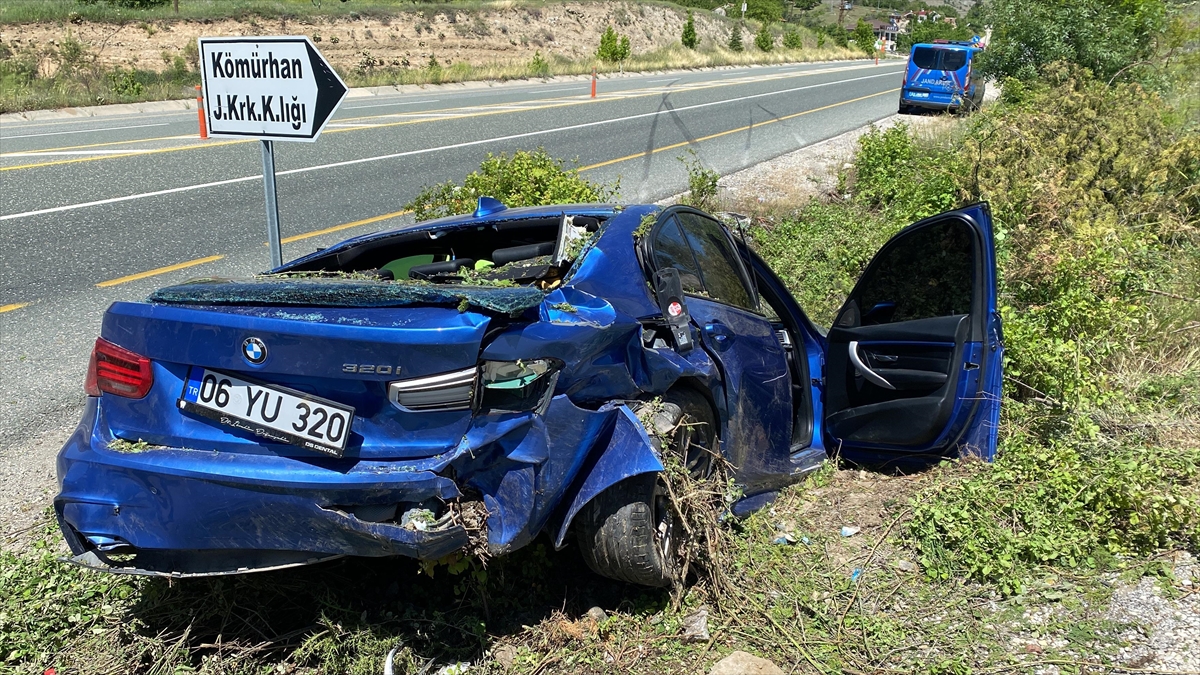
(254, 350)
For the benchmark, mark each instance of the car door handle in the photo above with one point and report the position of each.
(870, 375)
(885, 358)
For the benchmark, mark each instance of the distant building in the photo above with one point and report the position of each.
(887, 31)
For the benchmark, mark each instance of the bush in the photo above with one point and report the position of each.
(1104, 36)
(793, 40)
(613, 48)
(702, 184)
(735, 39)
(763, 39)
(527, 178)
(689, 38)
(538, 66)
(864, 37)
(766, 11)
(1065, 500)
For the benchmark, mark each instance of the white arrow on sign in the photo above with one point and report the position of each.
(273, 88)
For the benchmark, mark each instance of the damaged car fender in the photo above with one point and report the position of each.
(629, 453)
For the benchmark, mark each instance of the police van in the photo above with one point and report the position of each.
(939, 77)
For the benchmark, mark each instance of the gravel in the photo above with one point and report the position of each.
(1164, 636)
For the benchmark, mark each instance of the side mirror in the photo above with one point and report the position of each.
(671, 302)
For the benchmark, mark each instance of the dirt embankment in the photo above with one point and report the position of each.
(502, 33)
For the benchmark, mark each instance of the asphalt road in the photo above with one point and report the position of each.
(109, 208)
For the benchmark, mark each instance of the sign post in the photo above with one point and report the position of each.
(272, 89)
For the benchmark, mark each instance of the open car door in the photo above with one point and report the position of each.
(913, 360)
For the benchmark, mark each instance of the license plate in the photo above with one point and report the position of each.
(269, 412)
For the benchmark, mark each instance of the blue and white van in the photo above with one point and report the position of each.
(939, 77)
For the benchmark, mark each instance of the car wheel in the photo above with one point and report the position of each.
(630, 532)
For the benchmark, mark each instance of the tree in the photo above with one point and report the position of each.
(1104, 36)
(735, 39)
(864, 37)
(767, 11)
(689, 38)
(613, 48)
(793, 40)
(763, 39)
(928, 31)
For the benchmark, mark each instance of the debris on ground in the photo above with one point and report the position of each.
(849, 531)
(695, 626)
(472, 515)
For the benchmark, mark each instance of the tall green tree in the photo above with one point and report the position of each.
(1104, 36)
(864, 37)
(735, 39)
(689, 38)
(767, 11)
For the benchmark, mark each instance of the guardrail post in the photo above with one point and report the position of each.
(200, 112)
(593, 82)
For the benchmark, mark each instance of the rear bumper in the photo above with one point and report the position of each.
(930, 100)
(181, 512)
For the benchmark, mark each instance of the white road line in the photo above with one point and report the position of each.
(82, 131)
(549, 91)
(383, 105)
(669, 79)
(53, 153)
(425, 151)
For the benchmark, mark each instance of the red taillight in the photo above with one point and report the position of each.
(117, 370)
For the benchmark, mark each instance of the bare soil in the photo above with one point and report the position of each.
(501, 33)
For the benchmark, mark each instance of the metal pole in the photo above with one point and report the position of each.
(268, 155)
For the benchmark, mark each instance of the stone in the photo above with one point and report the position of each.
(741, 663)
(598, 615)
(505, 655)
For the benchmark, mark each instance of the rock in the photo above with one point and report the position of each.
(695, 626)
(505, 655)
(906, 566)
(741, 663)
(598, 615)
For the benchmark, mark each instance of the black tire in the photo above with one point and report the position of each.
(629, 532)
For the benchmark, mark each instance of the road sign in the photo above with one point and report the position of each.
(277, 88)
(269, 88)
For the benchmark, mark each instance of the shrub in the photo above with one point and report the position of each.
(735, 39)
(820, 40)
(793, 40)
(527, 178)
(702, 184)
(538, 67)
(763, 39)
(1104, 36)
(864, 37)
(1065, 500)
(613, 48)
(689, 38)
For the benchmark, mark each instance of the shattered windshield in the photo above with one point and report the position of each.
(329, 291)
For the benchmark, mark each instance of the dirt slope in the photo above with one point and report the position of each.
(500, 33)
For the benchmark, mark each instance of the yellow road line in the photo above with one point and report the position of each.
(764, 123)
(343, 226)
(552, 103)
(160, 270)
(99, 145)
(15, 305)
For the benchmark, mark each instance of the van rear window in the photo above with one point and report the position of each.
(953, 59)
(925, 58)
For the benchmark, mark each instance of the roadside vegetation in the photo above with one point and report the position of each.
(1094, 184)
(58, 53)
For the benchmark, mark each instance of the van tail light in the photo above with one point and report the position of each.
(117, 370)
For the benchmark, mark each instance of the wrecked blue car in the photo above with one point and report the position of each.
(479, 380)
